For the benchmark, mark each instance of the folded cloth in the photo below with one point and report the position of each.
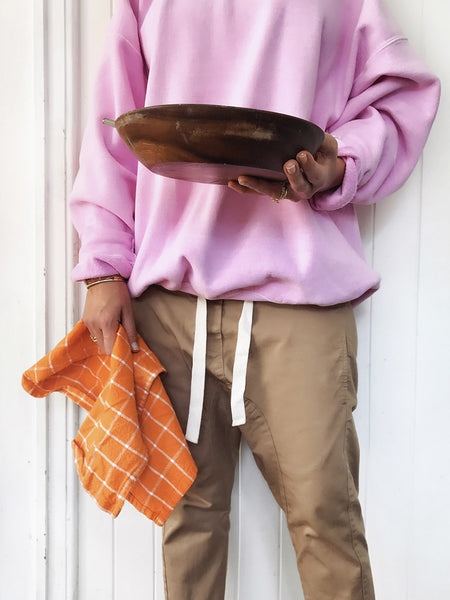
(130, 446)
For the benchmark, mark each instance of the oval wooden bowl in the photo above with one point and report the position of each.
(213, 144)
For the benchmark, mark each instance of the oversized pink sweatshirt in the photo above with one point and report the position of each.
(344, 65)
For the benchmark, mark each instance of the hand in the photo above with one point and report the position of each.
(107, 305)
(306, 175)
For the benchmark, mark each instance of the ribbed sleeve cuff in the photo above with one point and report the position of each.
(96, 267)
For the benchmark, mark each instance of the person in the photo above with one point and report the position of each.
(248, 302)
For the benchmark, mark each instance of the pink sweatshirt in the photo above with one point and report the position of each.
(343, 64)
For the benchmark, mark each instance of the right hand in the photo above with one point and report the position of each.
(306, 174)
(107, 305)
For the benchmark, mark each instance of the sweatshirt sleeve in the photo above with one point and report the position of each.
(103, 196)
(384, 125)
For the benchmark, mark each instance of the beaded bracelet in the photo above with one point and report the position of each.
(94, 280)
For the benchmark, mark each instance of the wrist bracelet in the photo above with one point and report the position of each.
(95, 280)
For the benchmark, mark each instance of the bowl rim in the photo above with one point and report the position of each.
(195, 110)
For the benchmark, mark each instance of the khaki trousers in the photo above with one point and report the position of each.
(299, 398)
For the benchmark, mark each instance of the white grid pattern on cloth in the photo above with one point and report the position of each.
(119, 411)
(150, 374)
(162, 475)
(152, 393)
(114, 491)
(153, 443)
(113, 466)
(110, 435)
(118, 415)
(164, 427)
(126, 445)
(77, 383)
(94, 374)
(171, 459)
(79, 399)
(152, 494)
(121, 361)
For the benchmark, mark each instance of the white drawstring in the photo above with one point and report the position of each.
(240, 364)
(198, 372)
(199, 368)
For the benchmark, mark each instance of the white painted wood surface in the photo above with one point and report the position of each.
(55, 544)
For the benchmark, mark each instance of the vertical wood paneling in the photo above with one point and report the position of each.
(56, 288)
(232, 587)
(363, 315)
(290, 585)
(60, 147)
(96, 556)
(97, 549)
(429, 574)
(393, 349)
(393, 378)
(39, 580)
(259, 534)
(22, 301)
(134, 554)
(158, 581)
(94, 19)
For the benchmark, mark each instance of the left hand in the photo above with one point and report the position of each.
(306, 175)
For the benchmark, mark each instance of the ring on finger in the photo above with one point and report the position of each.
(283, 192)
(93, 338)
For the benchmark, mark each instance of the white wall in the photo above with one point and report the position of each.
(18, 291)
(54, 542)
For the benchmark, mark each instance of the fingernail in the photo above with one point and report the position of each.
(302, 158)
(291, 168)
(135, 347)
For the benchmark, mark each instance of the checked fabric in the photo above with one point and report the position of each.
(130, 445)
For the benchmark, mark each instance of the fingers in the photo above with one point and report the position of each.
(299, 181)
(302, 175)
(104, 332)
(130, 328)
(96, 336)
(107, 305)
(305, 174)
(105, 336)
(308, 175)
(241, 189)
(255, 185)
(109, 338)
(249, 185)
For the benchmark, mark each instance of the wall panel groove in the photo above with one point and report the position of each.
(40, 458)
(72, 138)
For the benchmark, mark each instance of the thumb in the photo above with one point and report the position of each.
(130, 329)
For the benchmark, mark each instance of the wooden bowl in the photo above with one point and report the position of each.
(213, 144)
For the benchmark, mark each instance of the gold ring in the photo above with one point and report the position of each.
(283, 192)
(93, 338)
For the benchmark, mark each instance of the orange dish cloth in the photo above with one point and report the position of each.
(130, 446)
